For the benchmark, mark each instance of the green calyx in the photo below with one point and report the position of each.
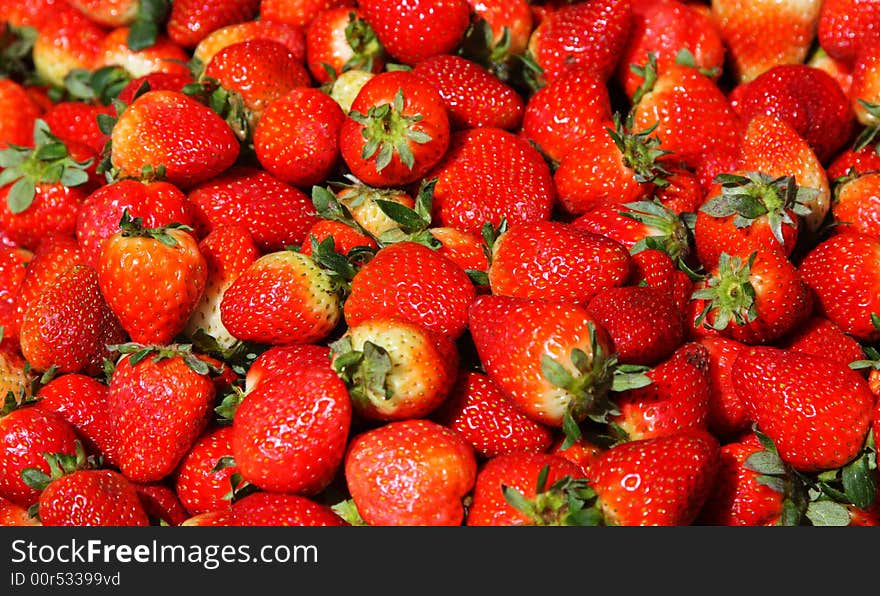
(48, 162)
(137, 353)
(134, 228)
(567, 502)
(60, 464)
(388, 131)
(758, 195)
(364, 44)
(640, 151)
(672, 235)
(364, 371)
(729, 294)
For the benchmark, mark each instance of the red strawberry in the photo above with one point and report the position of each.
(161, 504)
(664, 481)
(396, 130)
(298, 14)
(13, 270)
(75, 122)
(290, 35)
(19, 114)
(490, 175)
(345, 237)
(463, 248)
(201, 481)
(338, 40)
(275, 213)
(165, 259)
(395, 369)
(68, 40)
(537, 481)
(728, 416)
(817, 411)
(822, 337)
(655, 268)
(297, 137)
(510, 22)
(552, 260)
(279, 359)
(138, 60)
(154, 81)
(279, 509)
(844, 27)
(15, 515)
(159, 399)
(190, 21)
(473, 96)
(414, 31)
(289, 433)
(410, 473)
(479, 411)
(91, 498)
(855, 207)
(160, 129)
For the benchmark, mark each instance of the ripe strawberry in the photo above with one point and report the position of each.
(297, 137)
(522, 489)
(69, 325)
(581, 451)
(664, 481)
(66, 41)
(728, 416)
(19, 114)
(841, 271)
(26, 434)
(167, 129)
(553, 260)
(280, 359)
(166, 259)
(490, 175)
(510, 22)
(82, 401)
(410, 281)
(671, 30)
(91, 498)
(396, 130)
(345, 237)
(410, 473)
(160, 398)
(844, 27)
(77, 122)
(589, 34)
(13, 270)
(154, 81)
(395, 369)
(817, 411)
(822, 337)
(339, 40)
(279, 509)
(559, 113)
(854, 206)
(290, 35)
(411, 32)
(656, 269)
(478, 410)
(29, 14)
(298, 13)
(784, 37)
(473, 96)
(462, 248)
(289, 433)
(15, 515)
(163, 55)
(190, 21)
(551, 359)
(201, 481)
(160, 503)
(228, 251)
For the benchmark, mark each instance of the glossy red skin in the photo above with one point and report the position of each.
(860, 162)
(92, 498)
(552, 260)
(199, 489)
(30, 14)
(411, 281)
(488, 175)
(326, 44)
(657, 269)
(817, 411)
(19, 114)
(290, 35)
(728, 415)
(298, 14)
(845, 26)
(857, 205)
(344, 237)
(410, 473)
(290, 432)
(519, 471)
(53, 257)
(515, 15)
(822, 337)
(68, 40)
(77, 121)
(297, 136)
(278, 509)
(190, 21)
(53, 212)
(155, 81)
(13, 269)
(160, 503)
(278, 360)
(420, 99)
(25, 434)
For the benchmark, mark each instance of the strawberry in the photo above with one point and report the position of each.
(683, 191)
(20, 112)
(807, 98)
(345, 237)
(163, 55)
(844, 27)
(67, 41)
(644, 323)
(842, 275)
(190, 21)
(477, 409)
(559, 113)
(254, 72)
(297, 137)
(656, 269)
(472, 95)
(854, 206)
(664, 481)
(15, 515)
(754, 299)
(671, 30)
(395, 369)
(290, 35)
(169, 130)
(522, 489)
(587, 34)
(339, 40)
(157, 203)
(553, 260)
(279, 509)
(82, 401)
(364, 204)
(69, 325)
(817, 411)
(413, 31)
(462, 248)
(77, 122)
(108, 13)
(13, 270)
(279, 359)
(728, 416)
(784, 37)
(281, 298)
(396, 130)
(228, 251)
(166, 259)
(299, 13)
(822, 337)
(581, 451)
(201, 480)
(275, 213)
(30, 14)
(154, 81)
(289, 433)
(551, 359)
(91, 498)
(159, 398)
(26, 434)
(410, 281)
(160, 503)
(510, 23)
(410, 473)
(490, 175)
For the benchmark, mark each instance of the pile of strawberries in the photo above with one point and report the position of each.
(443, 262)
